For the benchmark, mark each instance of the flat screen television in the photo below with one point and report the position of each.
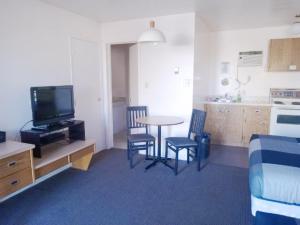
(51, 105)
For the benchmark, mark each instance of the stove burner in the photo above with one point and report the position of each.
(295, 103)
(278, 102)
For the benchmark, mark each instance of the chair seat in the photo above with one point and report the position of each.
(181, 142)
(140, 137)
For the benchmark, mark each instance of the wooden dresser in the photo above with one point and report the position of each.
(18, 168)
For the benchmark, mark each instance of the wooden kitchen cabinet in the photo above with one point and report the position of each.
(256, 121)
(232, 127)
(284, 55)
(224, 122)
(214, 121)
(234, 124)
(296, 53)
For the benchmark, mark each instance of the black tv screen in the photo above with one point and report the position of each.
(52, 104)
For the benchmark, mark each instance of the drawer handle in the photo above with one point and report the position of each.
(13, 163)
(257, 110)
(15, 182)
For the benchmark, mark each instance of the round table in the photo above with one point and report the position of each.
(159, 121)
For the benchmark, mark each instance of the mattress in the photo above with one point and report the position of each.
(261, 205)
(274, 168)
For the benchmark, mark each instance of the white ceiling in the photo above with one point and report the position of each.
(219, 14)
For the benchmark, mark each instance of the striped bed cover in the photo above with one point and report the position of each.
(274, 168)
(273, 219)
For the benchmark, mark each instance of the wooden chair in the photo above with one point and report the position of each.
(192, 142)
(139, 141)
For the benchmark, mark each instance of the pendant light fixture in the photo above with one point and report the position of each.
(295, 29)
(152, 35)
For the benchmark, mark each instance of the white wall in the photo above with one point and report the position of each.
(35, 51)
(203, 61)
(164, 92)
(225, 48)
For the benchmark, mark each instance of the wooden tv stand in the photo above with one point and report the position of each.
(20, 170)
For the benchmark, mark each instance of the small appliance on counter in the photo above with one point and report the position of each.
(2, 136)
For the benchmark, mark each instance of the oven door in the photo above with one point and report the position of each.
(285, 121)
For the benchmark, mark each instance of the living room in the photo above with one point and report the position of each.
(218, 66)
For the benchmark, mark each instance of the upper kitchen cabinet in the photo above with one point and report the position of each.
(284, 55)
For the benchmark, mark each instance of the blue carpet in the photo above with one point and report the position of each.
(111, 193)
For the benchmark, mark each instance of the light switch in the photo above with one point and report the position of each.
(187, 83)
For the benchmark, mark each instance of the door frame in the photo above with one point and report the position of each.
(108, 107)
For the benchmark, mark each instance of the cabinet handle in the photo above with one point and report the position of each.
(257, 110)
(13, 163)
(15, 182)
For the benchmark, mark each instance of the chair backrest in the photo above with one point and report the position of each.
(134, 112)
(197, 122)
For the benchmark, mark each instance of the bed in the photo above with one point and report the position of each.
(273, 219)
(274, 175)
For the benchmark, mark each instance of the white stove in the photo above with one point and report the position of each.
(285, 112)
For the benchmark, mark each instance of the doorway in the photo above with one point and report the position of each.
(124, 86)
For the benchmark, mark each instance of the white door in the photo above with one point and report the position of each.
(133, 75)
(87, 89)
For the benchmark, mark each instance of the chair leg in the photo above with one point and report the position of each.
(188, 155)
(166, 151)
(131, 156)
(147, 150)
(199, 153)
(176, 162)
(154, 153)
(128, 156)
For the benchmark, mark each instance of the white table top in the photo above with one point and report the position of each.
(160, 120)
(10, 148)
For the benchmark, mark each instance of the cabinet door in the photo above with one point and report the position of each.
(225, 122)
(280, 54)
(233, 126)
(296, 54)
(214, 122)
(88, 89)
(256, 121)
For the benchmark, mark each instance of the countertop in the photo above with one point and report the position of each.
(10, 148)
(245, 103)
(250, 103)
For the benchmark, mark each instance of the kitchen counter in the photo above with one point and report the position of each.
(245, 103)
(233, 123)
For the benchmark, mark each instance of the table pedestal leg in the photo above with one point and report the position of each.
(158, 158)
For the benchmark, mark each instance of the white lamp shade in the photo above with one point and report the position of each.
(152, 35)
(295, 29)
